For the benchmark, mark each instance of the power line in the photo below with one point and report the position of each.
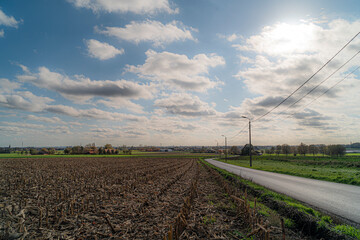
(307, 79)
(333, 86)
(314, 88)
(242, 130)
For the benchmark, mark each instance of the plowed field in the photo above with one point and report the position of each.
(121, 198)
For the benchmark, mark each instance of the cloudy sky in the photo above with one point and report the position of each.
(167, 72)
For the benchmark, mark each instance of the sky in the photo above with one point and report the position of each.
(166, 72)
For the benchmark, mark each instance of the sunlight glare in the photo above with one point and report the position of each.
(288, 39)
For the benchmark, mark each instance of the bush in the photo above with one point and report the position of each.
(33, 151)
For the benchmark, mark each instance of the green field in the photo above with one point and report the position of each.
(344, 169)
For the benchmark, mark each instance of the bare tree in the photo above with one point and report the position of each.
(336, 150)
(278, 149)
(313, 149)
(285, 148)
(303, 149)
(322, 149)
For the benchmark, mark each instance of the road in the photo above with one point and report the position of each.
(335, 198)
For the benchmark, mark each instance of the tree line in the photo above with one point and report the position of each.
(303, 149)
(108, 149)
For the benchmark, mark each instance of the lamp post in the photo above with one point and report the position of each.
(249, 139)
(225, 147)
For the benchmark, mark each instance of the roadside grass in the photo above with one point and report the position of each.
(348, 230)
(322, 221)
(340, 170)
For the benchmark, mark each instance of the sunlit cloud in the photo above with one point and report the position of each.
(150, 31)
(122, 6)
(178, 71)
(102, 51)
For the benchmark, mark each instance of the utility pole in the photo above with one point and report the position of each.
(226, 153)
(225, 147)
(250, 154)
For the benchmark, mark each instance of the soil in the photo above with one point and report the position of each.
(118, 198)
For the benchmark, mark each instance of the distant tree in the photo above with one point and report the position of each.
(95, 149)
(322, 149)
(313, 149)
(52, 151)
(355, 145)
(246, 149)
(44, 151)
(294, 150)
(285, 149)
(336, 150)
(278, 150)
(33, 151)
(303, 149)
(234, 150)
(67, 150)
(126, 151)
(77, 150)
(272, 150)
(90, 149)
(101, 150)
(108, 146)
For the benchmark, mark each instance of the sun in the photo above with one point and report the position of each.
(285, 38)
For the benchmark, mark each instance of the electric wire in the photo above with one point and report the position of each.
(307, 79)
(333, 86)
(315, 87)
(329, 89)
(241, 131)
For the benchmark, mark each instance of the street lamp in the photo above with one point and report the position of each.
(225, 147)
(249, 139)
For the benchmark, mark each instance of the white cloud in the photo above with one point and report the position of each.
(119, 103)
(7, 86)
(24, 101)
(23, 125)
(82, 89)
(93, 113)
(178, 71)
(122, 6)
(8, 21)
(151, 31)
(29, 102)
(231, 37)
(45, 119)
(305, 38)
(102, 51)
(2, 34)
(59, 130)
(185, 105)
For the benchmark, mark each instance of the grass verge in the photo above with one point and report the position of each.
(333, 170)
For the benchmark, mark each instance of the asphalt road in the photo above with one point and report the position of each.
(335, 198)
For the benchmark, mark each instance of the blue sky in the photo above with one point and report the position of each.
(168, 72)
